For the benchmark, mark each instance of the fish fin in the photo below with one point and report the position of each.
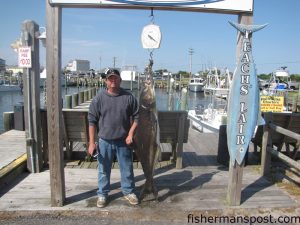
(260, 119)
(157, 131)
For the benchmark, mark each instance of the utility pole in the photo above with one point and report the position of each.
(114, 62)
(191, 52)
(100, 64)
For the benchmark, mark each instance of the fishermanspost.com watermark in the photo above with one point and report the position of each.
(266, 219)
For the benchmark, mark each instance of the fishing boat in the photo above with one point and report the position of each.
(280, 81)
(207, 120)
(10, 87)
(7, 86)
(218, 85)
(43, 78)
(275, 92)
(196, 84)
(130, 78)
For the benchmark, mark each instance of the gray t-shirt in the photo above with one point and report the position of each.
(113, 114)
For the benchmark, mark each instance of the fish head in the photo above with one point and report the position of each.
(147, 95)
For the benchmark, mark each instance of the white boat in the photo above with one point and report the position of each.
(196, 84)
(218, 85)
(207, 120)
(279, 82)
(43, 78)
(279, 87)
(130, 79)
(9, 87)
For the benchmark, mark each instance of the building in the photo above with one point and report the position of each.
(78, 66)
(2, 65)
(14, 69)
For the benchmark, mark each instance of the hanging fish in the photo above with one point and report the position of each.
(146, 137)
(243, 102)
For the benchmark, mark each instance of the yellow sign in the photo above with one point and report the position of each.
(271, 103)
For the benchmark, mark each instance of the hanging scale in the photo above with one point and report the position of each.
(151, 39)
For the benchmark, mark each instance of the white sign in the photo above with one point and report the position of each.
(223, 6)
(25, 57)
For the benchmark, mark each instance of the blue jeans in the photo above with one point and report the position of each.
(107, 149)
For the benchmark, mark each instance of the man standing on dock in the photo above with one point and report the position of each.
(114, 113)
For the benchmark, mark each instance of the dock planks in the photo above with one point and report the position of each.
(201, 186)
(13, 145)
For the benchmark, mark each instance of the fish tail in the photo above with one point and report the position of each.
(149, 191)
(247, 28)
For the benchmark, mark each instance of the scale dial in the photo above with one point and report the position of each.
(151, 36)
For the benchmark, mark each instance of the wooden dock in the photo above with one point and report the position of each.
(12, 155)
(199, 188)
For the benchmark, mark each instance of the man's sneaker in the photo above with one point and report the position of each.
(133, 200)
(101, 202)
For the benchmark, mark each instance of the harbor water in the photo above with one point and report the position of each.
(10, 99)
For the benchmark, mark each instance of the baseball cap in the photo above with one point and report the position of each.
(112, 72)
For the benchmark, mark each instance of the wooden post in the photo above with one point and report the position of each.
(74, 100)
(68, 101)
(31, 81)
(45, 136)
(235, 183)
(54, 105)
(90, 96)
(8, 121)
(81, 97)
(183, 99)
(236, 170)
(179, 150)
(266, 144)
(85, 95)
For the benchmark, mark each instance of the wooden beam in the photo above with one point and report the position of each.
(235, 183)
(54, 105)
(164, 8)
(284, 131)
(236, 170)
(31, 81)
(287, 160)
(266, 144)
(179, 150)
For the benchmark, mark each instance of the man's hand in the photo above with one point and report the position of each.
(129, 139)
(92, 147)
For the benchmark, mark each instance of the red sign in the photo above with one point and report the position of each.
(25, 57)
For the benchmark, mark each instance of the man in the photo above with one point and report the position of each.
(114, 113)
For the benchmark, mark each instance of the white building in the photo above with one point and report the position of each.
(78, 66)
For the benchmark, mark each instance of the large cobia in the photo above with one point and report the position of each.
(243, 103)
(146, 138)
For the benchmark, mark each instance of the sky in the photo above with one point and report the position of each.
(102, 35)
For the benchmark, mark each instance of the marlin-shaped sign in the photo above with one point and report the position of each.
(243, 103)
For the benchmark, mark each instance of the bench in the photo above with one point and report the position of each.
(75, 125)
(289, 121)
(174, 127)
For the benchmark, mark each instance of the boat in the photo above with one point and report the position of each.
(274, 95)
(279, 81)
(218, 85)
(43, 78)
(130, 79)
(10, 87)
(207, 120)
(196, 84)
(7, 86)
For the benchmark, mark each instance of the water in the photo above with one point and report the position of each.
(9, 99)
